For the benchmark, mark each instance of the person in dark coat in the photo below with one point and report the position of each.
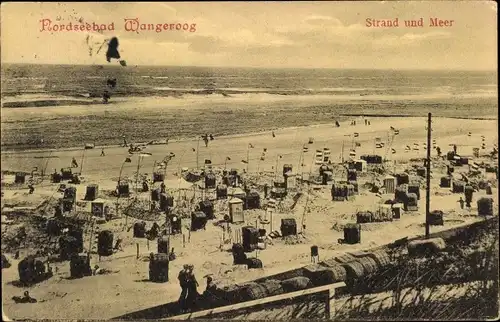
(183, 282)
(192, 286)
(162, 187)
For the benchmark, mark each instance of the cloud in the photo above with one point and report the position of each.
(409, 39)
(322, 21)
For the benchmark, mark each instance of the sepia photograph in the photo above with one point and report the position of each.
(327, 160)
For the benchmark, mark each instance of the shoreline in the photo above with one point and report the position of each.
(239, 135)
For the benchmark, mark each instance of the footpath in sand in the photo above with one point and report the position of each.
(128, 289)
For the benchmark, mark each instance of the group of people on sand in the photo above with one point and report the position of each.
(190, 299)
(189, 286)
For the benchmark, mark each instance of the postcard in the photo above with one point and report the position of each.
(249, 160)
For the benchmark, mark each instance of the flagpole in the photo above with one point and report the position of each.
(197, 153)
(248, 155)
(81, 163)
(152, 184)
(342, 153)
(118, 191)
(137, 174)
(121, 170)
(308, 193)
(276, 168)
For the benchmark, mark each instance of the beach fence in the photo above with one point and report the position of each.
(284, 306)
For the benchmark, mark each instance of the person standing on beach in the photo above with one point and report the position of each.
(192, 286)
(461, 201)
(102, 152)
(183, 282)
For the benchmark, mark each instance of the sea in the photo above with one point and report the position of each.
(91, 81)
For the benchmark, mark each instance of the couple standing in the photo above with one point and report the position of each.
(189, 285)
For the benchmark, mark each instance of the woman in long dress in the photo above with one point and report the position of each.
(192, 285)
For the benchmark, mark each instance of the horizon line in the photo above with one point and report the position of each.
(255, 67)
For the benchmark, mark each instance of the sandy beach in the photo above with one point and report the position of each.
(75, 299)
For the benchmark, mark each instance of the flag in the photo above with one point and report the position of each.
(356, 134)
(250, 145)
(194, 150)
(393, 151)
(145, 154)
(305, 149)
(280, 156)
(358, 144)
(396, 132)
(228, 158)
(208, 161)
(128, 160)
(244, 161)
(469, 134)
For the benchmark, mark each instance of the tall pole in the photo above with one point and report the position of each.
(308, 193)
(197, 153)
(342, 153)
(276, 168)
(137, 174)
(81, 163)
(248, 155)
(428, 175)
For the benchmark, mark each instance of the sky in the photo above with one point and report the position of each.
(320, 34)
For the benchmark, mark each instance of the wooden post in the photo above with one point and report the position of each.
(189, 236)
(183, 241)
(330, 304)
(147, 243)
(137, 244)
